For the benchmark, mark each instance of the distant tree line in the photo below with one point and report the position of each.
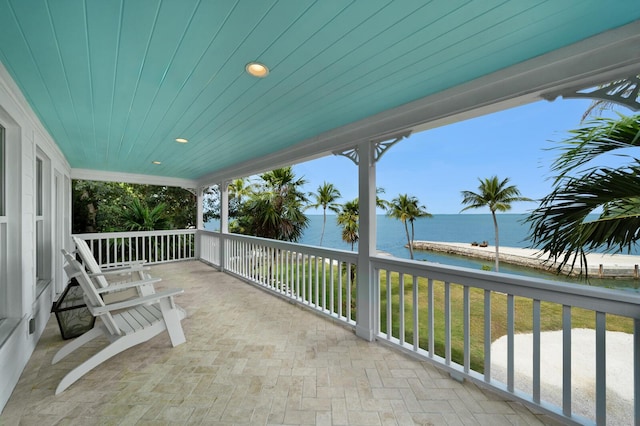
(118, 207)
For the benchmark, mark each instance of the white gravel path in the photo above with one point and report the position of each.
(619, 358)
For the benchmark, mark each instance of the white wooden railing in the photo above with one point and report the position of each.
(441, 314)
(209, 247)
(422, 295)
(321, 279)
(118, 248)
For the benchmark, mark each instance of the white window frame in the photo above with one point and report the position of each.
(11, 292)
(43, 215)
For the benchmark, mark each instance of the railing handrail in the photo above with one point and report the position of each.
(106, 235)
(577, 295)
(283, 245)
(159, 246)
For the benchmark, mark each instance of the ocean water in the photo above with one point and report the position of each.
(464, 228)
(391, 236)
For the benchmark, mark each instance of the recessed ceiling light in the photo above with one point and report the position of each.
(157, 162)
(182, 140)
(257, 69)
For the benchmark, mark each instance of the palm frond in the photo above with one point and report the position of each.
(561, 225)
(599, 136)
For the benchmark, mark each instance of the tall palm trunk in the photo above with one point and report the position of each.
(324, 222)
(495, 225)
(406, 231)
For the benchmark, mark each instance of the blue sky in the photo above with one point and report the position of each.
(436, 165)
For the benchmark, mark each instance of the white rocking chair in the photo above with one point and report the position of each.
(136, 321)
(131, 270)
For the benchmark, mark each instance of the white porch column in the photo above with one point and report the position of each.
(224, 220)
(366, 298)
(200, 208)
(199, 217)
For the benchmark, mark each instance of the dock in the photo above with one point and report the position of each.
(600, 265)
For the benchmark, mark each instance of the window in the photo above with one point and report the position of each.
(11, 295)
(43, 223)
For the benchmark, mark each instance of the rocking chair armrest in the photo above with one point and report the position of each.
(126, 285)
(99, 310)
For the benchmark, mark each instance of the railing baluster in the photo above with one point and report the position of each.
(401, 309)
(324, 283)
(601, 368)
(290, 273)
(332, 286)
(511, 331)
(416, 323)
(262, 275)
(279, 283)
(349, 283)
(636, 370)
(536, 351)
(108, 252)
(339, 289)
(447, 322)
(431, 319)
(467, 328)
(316, 289)
(389, 307)
(566, 360)
(298, 257)
(487, 336)
(305, 262)
(251, 262)
(310, 279)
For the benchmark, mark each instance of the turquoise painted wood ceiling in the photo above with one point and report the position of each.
(116, 82)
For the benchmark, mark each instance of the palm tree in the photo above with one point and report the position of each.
(381, 203)
(498, 196)
(326, 198)
(275, 208)
(405, 208)
(240, 189)
(137, 216)
(348, 219)
(561, 225)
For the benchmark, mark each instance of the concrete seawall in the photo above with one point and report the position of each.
(599, 265)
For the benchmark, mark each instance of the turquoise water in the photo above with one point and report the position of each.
(444, 227)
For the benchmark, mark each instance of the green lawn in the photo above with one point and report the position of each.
(551, 317)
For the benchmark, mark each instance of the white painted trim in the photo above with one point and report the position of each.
(598, 59)
(105, 176)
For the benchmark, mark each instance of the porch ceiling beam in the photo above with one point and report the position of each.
(105, 176)
(600, 59)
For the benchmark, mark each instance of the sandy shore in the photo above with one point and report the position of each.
(619, 355)
(600, 265)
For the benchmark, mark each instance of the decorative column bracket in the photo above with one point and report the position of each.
(624, 92)
(381, 145)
